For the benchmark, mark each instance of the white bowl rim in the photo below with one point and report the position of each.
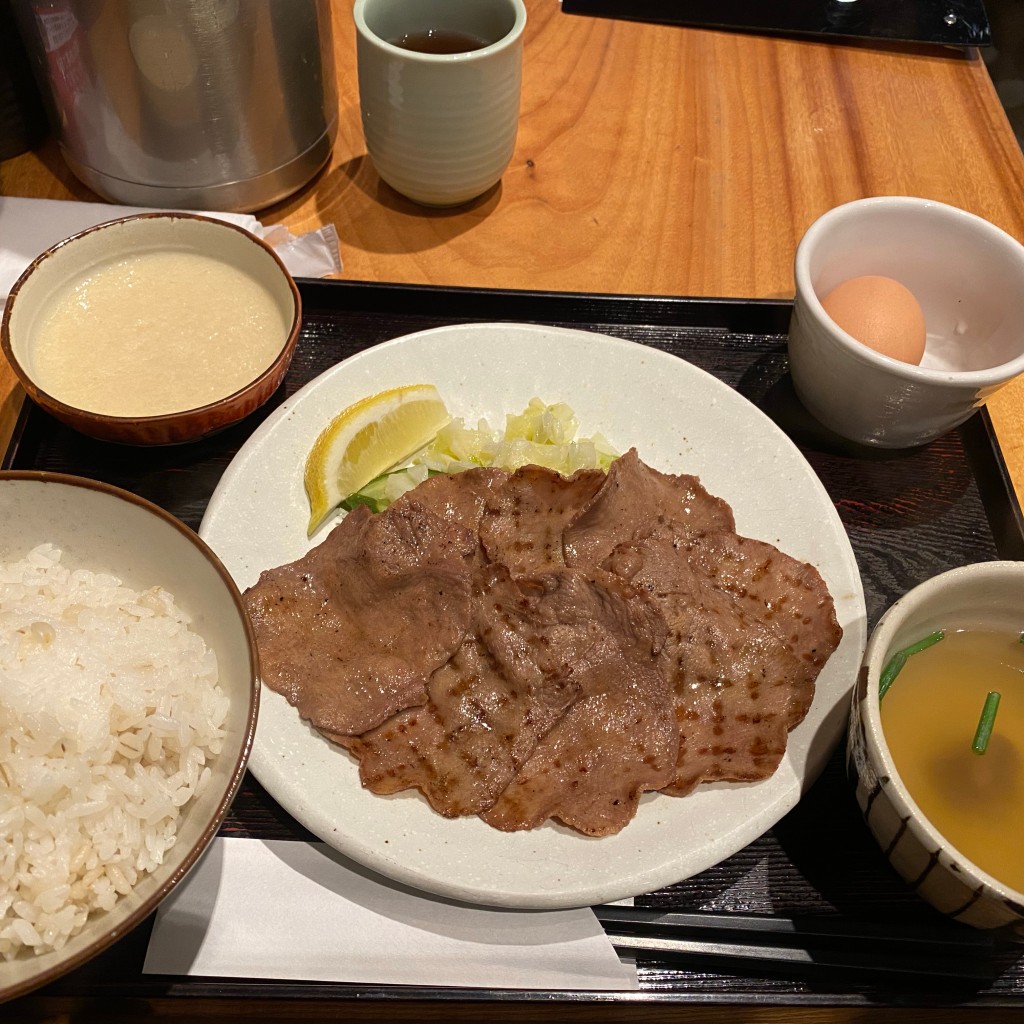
(469, 56)
(291, 335)
(874, 661)
(108, 937)
(987, 377)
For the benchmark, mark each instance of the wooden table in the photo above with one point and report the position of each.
(666, 161)
(660, 160)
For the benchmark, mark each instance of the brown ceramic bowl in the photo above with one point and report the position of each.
(224, 275)
(104, 529)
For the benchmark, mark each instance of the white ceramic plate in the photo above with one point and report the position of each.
(680, 419)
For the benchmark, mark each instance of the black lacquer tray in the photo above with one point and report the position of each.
(943, 22)
(909, 514)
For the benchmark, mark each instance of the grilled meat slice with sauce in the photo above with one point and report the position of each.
(633, 499)
(619, 738)
(524, 519)
(460, 498)
(749, 630)
(351, 632)
(539, 644)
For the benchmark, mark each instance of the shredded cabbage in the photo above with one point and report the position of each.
(541, 435)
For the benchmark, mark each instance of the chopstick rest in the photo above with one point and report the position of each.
(802, 943)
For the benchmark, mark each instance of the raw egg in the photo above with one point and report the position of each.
(880, 313)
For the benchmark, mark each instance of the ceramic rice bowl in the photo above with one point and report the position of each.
(101, 528)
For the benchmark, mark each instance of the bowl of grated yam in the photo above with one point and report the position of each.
(128, 700)
(154, 329)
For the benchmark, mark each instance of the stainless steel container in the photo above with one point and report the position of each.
(198, 104)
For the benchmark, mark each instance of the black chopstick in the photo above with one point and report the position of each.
(953, 951)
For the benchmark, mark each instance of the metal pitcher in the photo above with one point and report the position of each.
(200, 104)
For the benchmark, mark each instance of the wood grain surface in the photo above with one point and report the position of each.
(661, 160)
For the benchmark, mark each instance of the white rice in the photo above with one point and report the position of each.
(109, 714)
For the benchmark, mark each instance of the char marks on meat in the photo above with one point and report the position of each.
(527, 647)
(618, 738)
(749, 630)
(524, 519)
(461, 498)
(487, 708)
(632, 500)
(460, 748)
(502, 714)
(351, 632)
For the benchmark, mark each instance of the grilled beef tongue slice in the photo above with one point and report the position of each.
(351, 632)
(487, 708)
(459, 498)
(750, 628)
(540, 643)
(461, 748)
(524, 519)
(633, 499)
(619, 738)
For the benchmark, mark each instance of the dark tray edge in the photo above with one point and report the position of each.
(763, 316)
(998, 494)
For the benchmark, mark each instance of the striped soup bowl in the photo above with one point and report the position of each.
(984, 595)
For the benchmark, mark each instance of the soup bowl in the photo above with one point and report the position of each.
(154, 329)
(986, 595)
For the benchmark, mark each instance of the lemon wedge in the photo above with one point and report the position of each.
(367, 439)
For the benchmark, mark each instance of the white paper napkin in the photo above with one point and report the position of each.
(30, 226)
(294, 910)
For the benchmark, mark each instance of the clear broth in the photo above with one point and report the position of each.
(929, 717)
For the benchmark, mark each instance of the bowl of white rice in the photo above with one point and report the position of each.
(128, 699)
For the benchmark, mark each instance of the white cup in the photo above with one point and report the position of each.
(968, 277)
(440, 127)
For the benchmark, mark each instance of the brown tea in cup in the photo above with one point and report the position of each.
(439, 40)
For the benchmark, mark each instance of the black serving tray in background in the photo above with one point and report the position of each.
(944, 22)
(909, 514)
